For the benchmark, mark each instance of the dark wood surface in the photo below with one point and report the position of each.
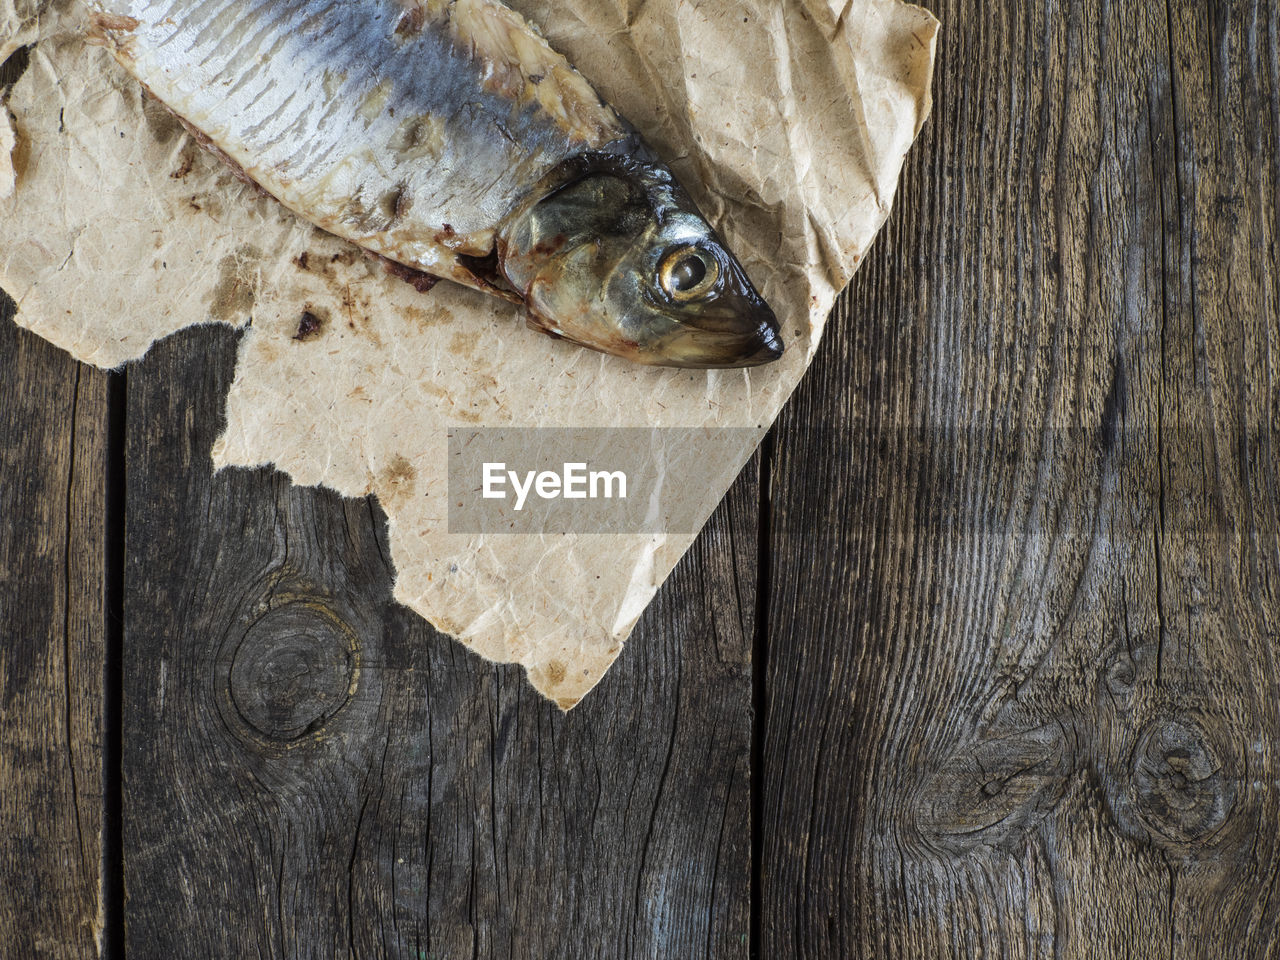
(977, 660)
(53, 452)
(324, 775)
(1025, 551)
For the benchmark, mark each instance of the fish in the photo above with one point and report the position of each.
(450, 140)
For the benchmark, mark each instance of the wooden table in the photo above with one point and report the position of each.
(978, 659)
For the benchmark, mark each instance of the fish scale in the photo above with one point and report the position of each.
(285, 88)
(447, 137)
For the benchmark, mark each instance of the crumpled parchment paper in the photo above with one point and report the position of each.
(787, 119)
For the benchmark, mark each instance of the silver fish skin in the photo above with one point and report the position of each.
(425, 131)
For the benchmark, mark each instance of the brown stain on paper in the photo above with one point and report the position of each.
(463, 344)
(185, 164)
(397, 480)
(206, 203)
(161, 121)
(551, 676)
(234, 294)
(20, 158)
(344, 279)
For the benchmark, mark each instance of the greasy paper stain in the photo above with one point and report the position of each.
(161, 123)
(233, 294)
(396, 482)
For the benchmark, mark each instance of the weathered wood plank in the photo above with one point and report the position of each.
(311, 771)
(1022, 682)
(52, 620)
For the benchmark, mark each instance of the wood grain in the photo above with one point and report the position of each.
(52, 619)
(311, 771)
(1022, 681)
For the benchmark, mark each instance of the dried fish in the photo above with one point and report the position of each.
(449, 138)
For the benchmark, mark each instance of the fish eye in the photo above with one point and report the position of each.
(688, 273)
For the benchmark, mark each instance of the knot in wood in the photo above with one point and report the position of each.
(294, 668)
(1180, 790)
(994, 790)
(1119, 678)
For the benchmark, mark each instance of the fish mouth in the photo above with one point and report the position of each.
(737, 330)
(771, 349)
(768, 347)
(723, 352)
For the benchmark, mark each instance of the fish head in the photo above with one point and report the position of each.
(613, 255)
